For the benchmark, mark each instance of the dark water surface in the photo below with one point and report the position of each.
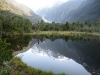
(74, 57)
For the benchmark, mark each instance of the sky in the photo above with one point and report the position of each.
(36, 4)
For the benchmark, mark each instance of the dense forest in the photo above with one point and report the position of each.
(12, 20)
(11, 23)
(75, 26)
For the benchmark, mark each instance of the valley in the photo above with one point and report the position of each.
(57, 40)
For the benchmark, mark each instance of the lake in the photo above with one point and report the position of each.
(71, 55)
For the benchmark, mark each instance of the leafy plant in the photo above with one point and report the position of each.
(5, 53)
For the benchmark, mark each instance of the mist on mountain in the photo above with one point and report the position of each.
(72, 11)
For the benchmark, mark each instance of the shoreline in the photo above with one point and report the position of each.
(61, 33)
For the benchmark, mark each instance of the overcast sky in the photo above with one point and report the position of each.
(36, 4)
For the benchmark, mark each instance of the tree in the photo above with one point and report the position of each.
(85, 22)
(0, 27)
(67, 26)
(42, 21)
(53, 25)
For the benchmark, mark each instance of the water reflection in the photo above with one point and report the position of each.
(18, 42)
(14, 43)
(36, 49)
(72, 57)
(44, 62)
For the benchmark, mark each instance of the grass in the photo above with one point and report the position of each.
(58, 33)
(17, 67)
(61, 33)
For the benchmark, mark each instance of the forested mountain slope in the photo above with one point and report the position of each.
(19, 9)
(73, 11)
(89, 12)
(16, 18)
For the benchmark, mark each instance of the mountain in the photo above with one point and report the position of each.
(89, 12)
(19, 9)
(73, 11)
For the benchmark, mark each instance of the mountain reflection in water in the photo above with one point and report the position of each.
(72, 57)
(41, 52)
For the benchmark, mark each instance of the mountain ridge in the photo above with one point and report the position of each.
(19, 9)
(73, 11)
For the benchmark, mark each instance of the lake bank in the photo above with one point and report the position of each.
(61, 33)
(17, 67)
(53, 35)
(56, 33)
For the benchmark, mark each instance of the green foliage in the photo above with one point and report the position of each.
(5, 53)
(66, 26)
(9, 23)
(75, 26)
(5, 71)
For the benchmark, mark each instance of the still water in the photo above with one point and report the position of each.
(71, 57)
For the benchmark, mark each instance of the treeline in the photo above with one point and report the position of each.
(75, 26)
(11, 23)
